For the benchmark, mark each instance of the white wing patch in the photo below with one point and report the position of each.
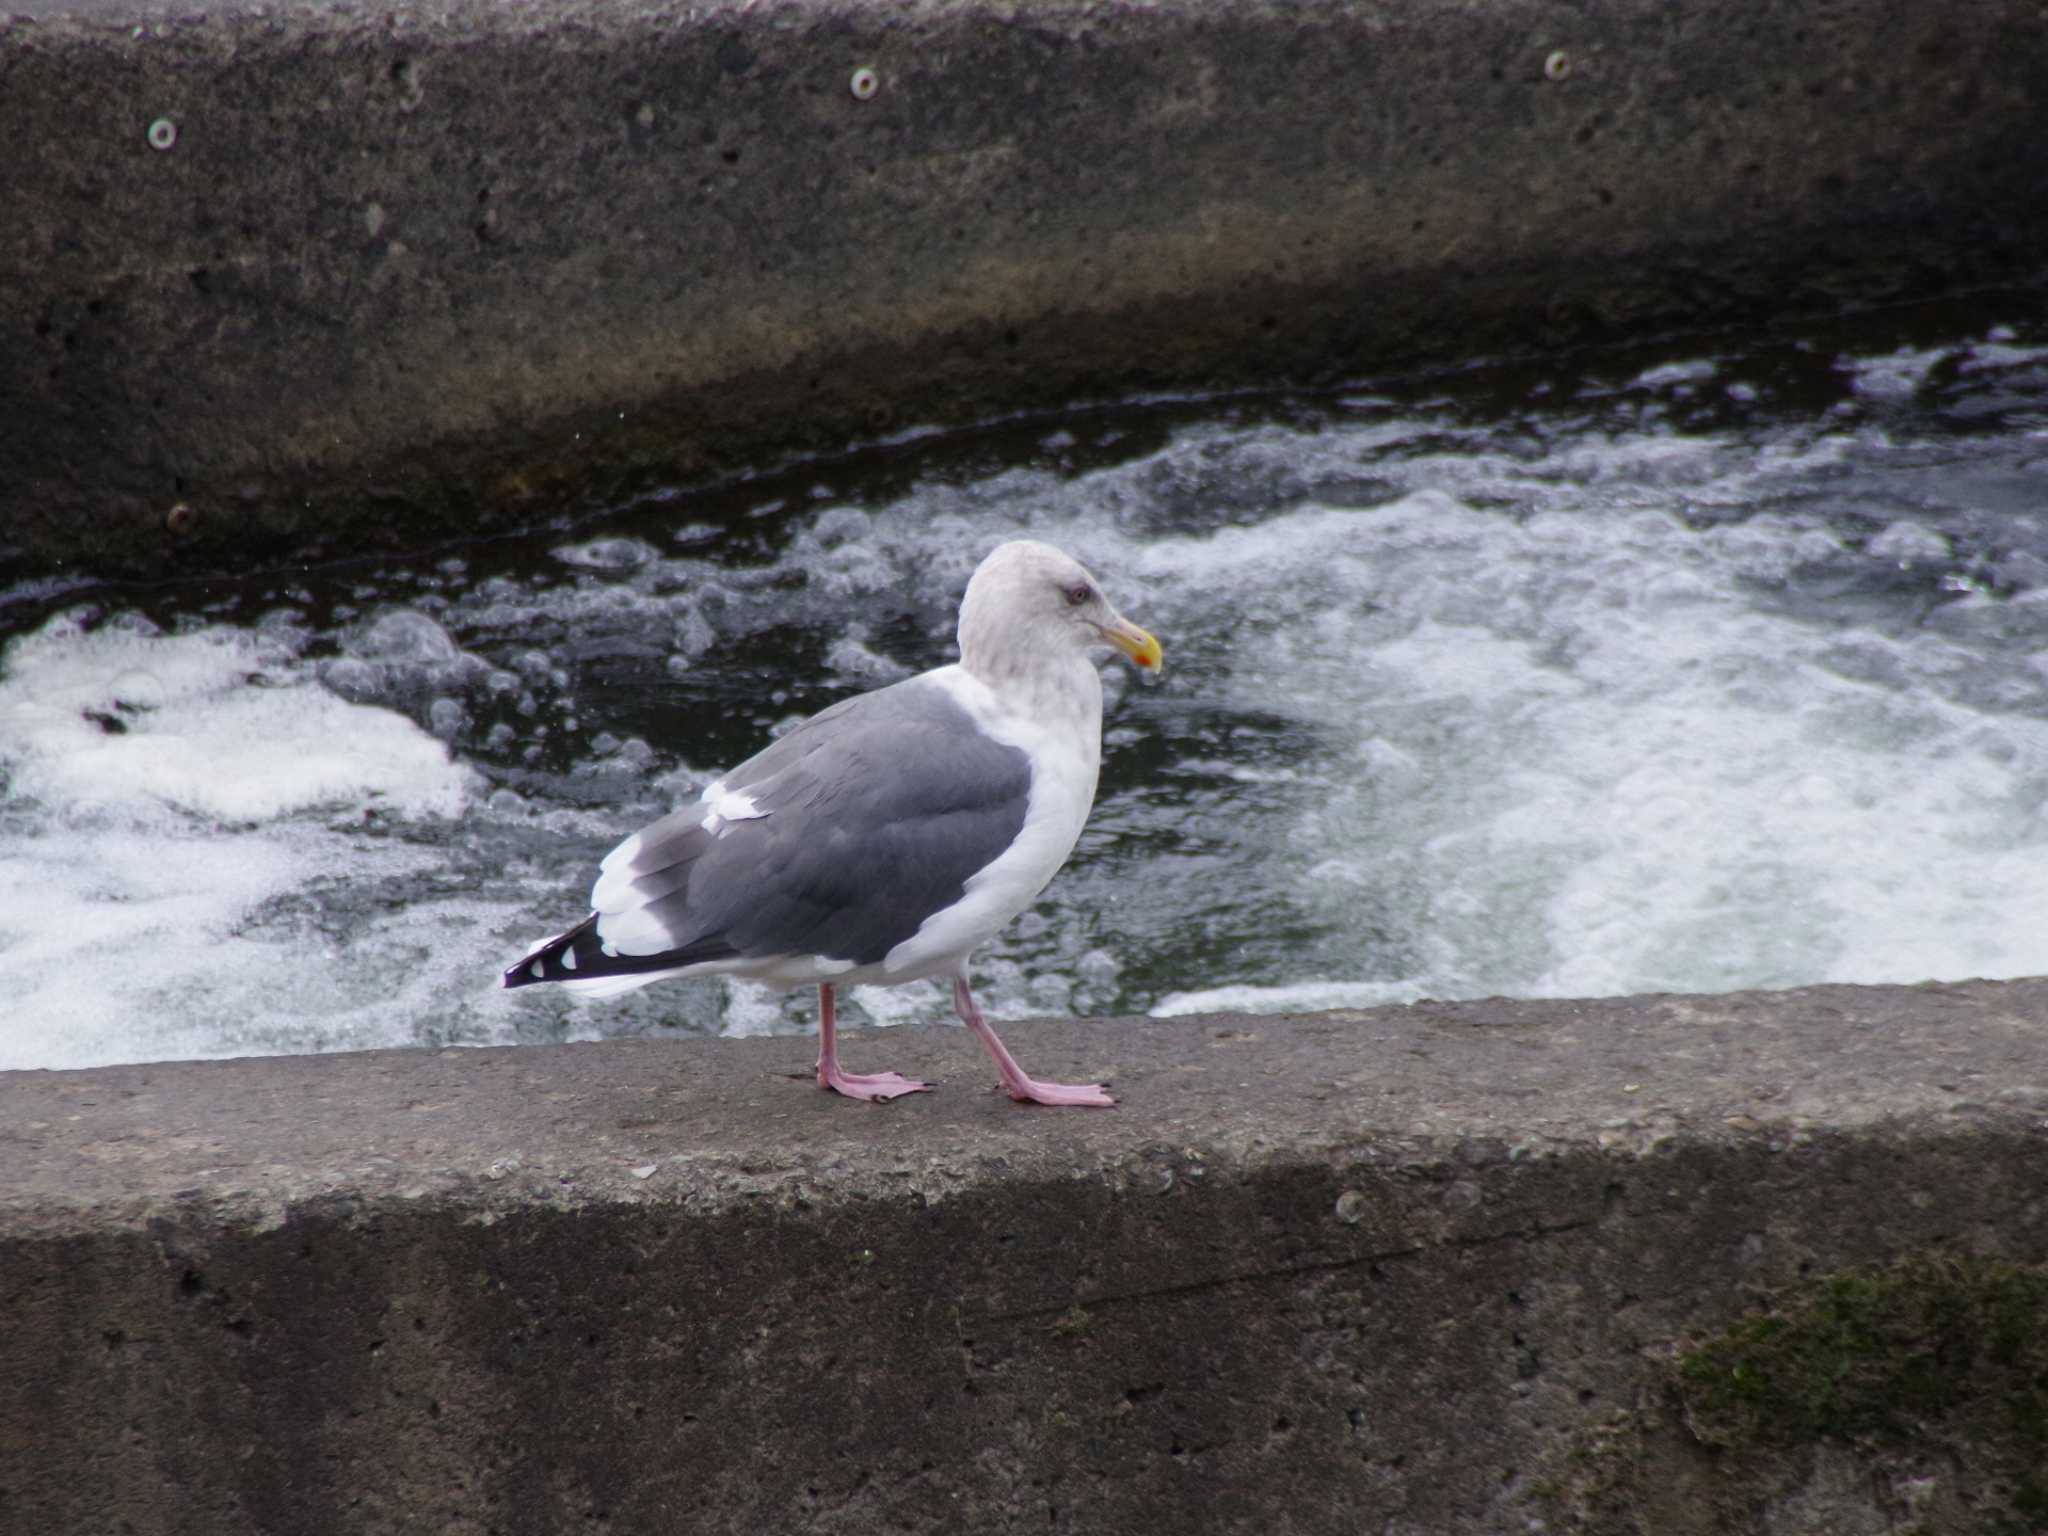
(635, 931)
(614, 889)
(723, 805)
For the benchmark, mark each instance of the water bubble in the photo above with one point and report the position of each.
(405, 636)
(447, 719)
(614, 556)
(351, 677)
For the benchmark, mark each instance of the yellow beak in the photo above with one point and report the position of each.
(1135, 643)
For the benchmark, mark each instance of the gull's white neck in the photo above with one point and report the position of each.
(1060, 693)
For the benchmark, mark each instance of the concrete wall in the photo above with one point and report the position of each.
(425, 268)
(1412, 1270)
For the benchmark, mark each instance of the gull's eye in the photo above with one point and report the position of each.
(1078, 594)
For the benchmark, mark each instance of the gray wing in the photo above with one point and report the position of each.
(871, 816)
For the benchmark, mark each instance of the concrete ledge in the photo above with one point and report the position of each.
(1394, 1270)
(429, 268)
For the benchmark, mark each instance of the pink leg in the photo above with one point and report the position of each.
(855, 1085)
(1024, 1090)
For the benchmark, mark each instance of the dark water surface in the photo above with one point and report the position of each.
(1704, 667)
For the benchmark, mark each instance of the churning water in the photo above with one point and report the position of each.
(1686, 673)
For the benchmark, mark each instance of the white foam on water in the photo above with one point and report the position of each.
(1295, 997)
(174, 805)
(752, 1008)
(149, 728)
(1895, 376)
(1583, 759)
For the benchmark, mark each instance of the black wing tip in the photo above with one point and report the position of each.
(590, 960)
(545, 962)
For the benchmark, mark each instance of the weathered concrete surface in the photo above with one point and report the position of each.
(430, 267)
(1380, 1271)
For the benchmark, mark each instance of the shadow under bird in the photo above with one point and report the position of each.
(884, 839)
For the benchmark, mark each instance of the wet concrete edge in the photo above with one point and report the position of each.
(1391, 1269)
(318, 278)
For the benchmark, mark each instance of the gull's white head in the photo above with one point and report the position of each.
(1029, 604)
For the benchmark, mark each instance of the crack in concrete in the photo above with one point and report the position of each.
(1281, 1272)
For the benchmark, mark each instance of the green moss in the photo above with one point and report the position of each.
(1877, 1352)
(1073, 1322)
(1928, 1372)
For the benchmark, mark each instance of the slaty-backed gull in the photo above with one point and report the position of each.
(885, 838)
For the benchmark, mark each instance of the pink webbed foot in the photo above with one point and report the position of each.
(876, 1087)
(1024, 1089)
(1028, 1090)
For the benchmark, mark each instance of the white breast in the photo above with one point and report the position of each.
(1064, 743)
